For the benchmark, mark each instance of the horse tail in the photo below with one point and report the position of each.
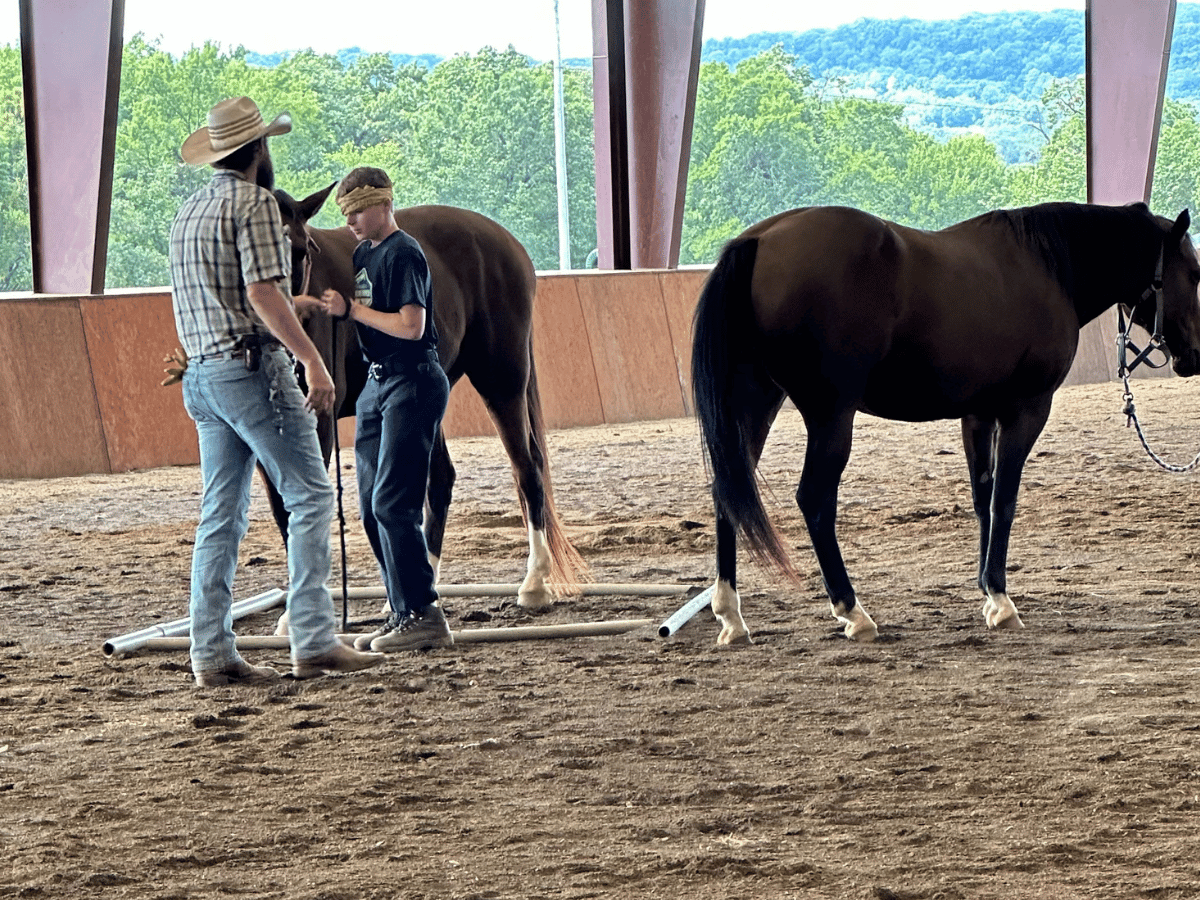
(567, 567)
(726, 376)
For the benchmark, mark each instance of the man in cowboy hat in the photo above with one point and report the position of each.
(230, 263)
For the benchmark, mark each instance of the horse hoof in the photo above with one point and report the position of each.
(999, 612)
(1012, 622)
(859, 626)
(864, 634)
(732, 636)
(534, 600)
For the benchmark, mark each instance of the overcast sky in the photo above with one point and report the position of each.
(445, 27)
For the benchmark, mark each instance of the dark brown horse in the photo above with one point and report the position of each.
(846, 313)
(483, 288)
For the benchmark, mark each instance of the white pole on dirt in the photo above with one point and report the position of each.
(127, 643)
(466, 636)
(378, 592)
(686, 612)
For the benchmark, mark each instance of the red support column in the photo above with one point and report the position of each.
(646, 66)
(610, 140)
(1128, 46)
(71, 69)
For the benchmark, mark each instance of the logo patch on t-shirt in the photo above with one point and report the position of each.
(362, 287)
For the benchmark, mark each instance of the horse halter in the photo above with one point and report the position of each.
(310, 247)
(1157, 342)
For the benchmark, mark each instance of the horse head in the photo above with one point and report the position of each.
(1178, 316)
(309, 276)
(321, 258)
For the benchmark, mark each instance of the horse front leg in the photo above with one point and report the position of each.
(979, 446)
(825, 460)
(1014, 439)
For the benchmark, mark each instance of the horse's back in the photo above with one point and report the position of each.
(907, 323)
(484, 285)
(825, 268)
(469, 242)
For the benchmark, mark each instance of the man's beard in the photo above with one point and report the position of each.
(266, 171)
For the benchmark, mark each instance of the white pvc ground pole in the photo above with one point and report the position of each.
(686, 612)
(170, 631)
(127, 643)
(378, 592)
(465, 636)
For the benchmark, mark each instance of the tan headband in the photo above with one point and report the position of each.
(362, 197)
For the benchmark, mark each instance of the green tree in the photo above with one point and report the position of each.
(952, 181)
(754, 150)
(1060, 173)
(865, 146)
(16, 256)
(482, 138)
(161, 102)
(1177, 168)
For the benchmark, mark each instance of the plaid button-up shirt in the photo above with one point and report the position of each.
(225, 236)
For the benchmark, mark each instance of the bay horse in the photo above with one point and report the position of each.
(843, 312)
(483, 290)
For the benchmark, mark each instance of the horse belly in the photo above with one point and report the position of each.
(918, 394)
(922, 385)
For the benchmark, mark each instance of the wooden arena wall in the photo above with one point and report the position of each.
(79, 376)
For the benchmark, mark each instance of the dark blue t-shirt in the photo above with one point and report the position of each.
(388, 276)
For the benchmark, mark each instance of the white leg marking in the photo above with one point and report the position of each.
(859, 625)
(999, 612)
(533, 593)
(727, 607)
(281, 627)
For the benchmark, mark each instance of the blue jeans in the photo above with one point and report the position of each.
(398, 420)
(241, 418)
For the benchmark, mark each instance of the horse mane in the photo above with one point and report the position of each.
(1074, 240)
(1042, 231)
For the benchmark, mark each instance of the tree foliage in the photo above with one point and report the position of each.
(770, 134)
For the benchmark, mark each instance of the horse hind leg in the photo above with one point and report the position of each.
(726, 603)
(512, 424)
(825, 460)
(760, 403)
(442, 476)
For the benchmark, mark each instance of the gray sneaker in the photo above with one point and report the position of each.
(430, 629)
(392, 620)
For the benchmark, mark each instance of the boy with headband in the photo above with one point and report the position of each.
(400, 408)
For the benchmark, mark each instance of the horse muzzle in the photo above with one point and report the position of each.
(1186, 364)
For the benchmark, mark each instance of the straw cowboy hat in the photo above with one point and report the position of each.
(232, 124)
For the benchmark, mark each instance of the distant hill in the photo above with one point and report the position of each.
(982, 72)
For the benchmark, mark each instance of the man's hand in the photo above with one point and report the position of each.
(335, 304)
(306, 305)
(320, 388)
(175, 372)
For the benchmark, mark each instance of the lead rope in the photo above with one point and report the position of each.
(311, 248)
(337, 463)
(1125, 343)
(1132, 419)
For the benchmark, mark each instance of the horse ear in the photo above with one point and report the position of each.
(1180, 228)
(311, 205)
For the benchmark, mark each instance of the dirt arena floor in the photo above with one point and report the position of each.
(943, 761)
